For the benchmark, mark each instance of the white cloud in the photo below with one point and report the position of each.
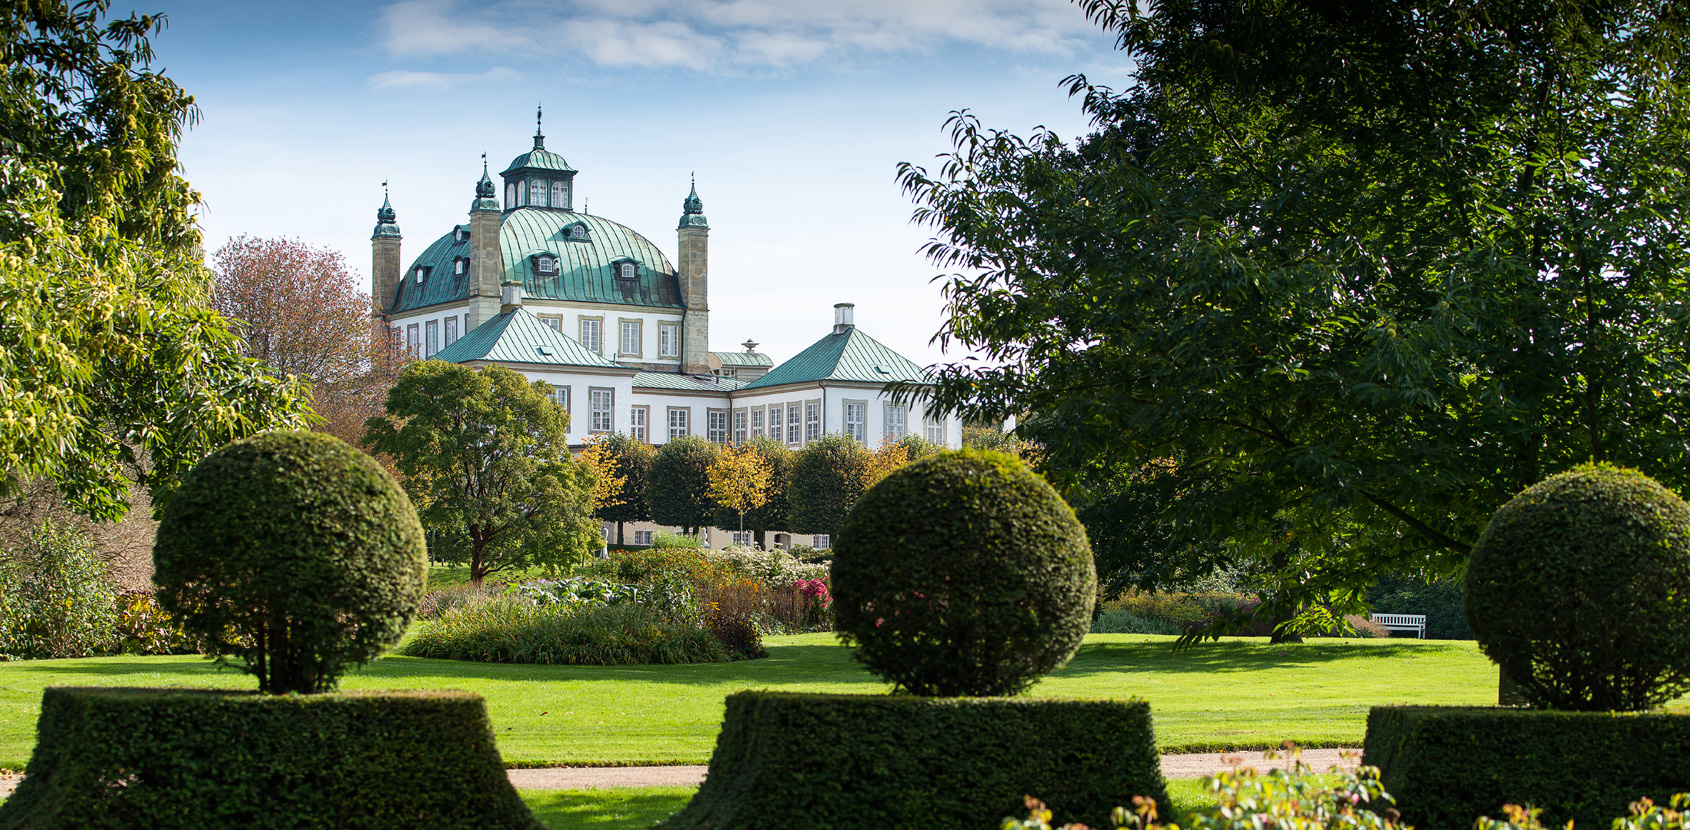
(727, 35)
(438, 81)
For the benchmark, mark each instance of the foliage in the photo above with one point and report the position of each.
(114, 369)
(1139, 538)
(892, 454)
(775, 513)
(1361, 272)
(630, 472)
(297, 308)
(124, 758)
(1645, 815)
(736, 634)
(770, 568)
(1580, 590)
(1438, 599)
(145, 628)
(1448, 764)
(670, 539)
(1127, 622)
(486, 459)
(963, 574)
(55, 600)
(516, 630)
(990, 436)
(918, 762)
(740, 480)
(295, 552)
(609, 482)
(657, 564)
(828, 476)
(1248, 800)
(679, 490)
(575, 592)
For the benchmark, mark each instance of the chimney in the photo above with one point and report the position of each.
(510, 296)
(842, 317)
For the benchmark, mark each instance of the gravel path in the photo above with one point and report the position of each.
(588, 778)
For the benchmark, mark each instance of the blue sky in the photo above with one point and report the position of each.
(793, 115)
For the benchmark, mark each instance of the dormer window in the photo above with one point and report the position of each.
(626, 271)
(422, 274)
(460, 266)
(537, 193)
(577, 233)
(460, 234)
(546, 264)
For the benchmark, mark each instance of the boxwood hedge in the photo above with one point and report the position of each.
(124, 758)
(787, 760)
(1447, 766)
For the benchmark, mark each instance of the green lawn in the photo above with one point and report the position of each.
(1233, 694)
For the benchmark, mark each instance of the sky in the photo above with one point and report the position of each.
(793, 116)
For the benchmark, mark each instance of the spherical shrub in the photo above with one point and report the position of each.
(1579, 589)
(963, 574)
(294, 551)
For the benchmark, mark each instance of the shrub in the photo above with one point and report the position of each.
(769, 567)
(1449, 765)
(828, 477)
(1579, 589)
(575, 592)
(55, 600)
(124, 758)
(1645, 815)
(736, 634)
(963, 573)
(303, 546)
(788, 760)
(670, 539)
(1126, 622)
(515, 630)
(1439, 600)
(145, 628)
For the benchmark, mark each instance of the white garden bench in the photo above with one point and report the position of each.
(1403, 622)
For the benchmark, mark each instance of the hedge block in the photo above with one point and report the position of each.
(1448, 765)
(123, 758)
(788, 760)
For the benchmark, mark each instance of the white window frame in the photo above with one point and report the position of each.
(510, 196)
(431, 338)
(741, 435)
(668, 340)
(601, 409)
(545, 264)
(638, 418)
(413, 339)
(627, 271)
(560, 194)
(794, 424)
(821, 541)
(934, 429)
(624, 326)
(537, 188)
(642, 537)
(757, 422)
(592, 334)
(812, 420)
(553, 321)
(856, 420)
(578, 232)
(560, 394)
(522, 194)
(716, 425)
(897, 421)
(680, 422)
(748, 537)
(451, 330)
(777, 423)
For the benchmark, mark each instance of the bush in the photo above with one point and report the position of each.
(1449, 765)
(1126, 622)
(881, 761)
(670, 539)
(828, 477)
(1645, 815)
(1579, 589)
(515, 630)
(55, 600)
(301, 545)
(736, 634)
(1439, 600)
(145, 628)
(125, 758)
(963, 573)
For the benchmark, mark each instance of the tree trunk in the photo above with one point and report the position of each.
(619, 541)
(477, 571)
(1277, 637)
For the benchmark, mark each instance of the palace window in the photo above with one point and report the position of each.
(822, 542)
(716, 426)
(537, 193)
(743, 537)
(560, 394)
(626, 271)
(545, 264)
(460, 266)
(578, 232)
(679, 422)
(637, 422)
(935, 429)
(510, 196)
(856, 420)
(895, 421)
(553, 322)
(590, 334)
(630, 344)
(775, 416)
(422, 274)
(460, 234)
(431, 338)
(812, 422)
(642, 537)
(794, 426)
(668, 340)
(560, 194)
(601, 409)
(451, 330)
(739, 427)
(413, 339)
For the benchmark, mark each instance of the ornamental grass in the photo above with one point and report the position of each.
(513, 630)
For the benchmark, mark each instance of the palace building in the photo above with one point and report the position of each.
(621, 331)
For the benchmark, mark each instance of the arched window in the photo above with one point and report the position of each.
(537, 194)
(521, 195)
(460, 266)
(545, 265)
(560, 194)
(510, 196)
(626, 271)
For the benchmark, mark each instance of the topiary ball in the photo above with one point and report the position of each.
(963, 574)
(294, 551)
(1579, 589)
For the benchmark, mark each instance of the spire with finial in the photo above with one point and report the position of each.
(486, 194)
(692, 209)
(386, 218)
(539, 137)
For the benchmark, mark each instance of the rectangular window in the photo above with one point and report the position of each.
(431, 338)
(642, 537)
(560, 194)
(561, 395)
(537, 194)
(812, 421)
(590, 335)
(757, 422)
(451, 330)
(668, 340)
(553, 322)
(775, 416)
(740, 435)
(822, 542)
(794, 425)
(856, 420)
(716, 427)
(679, 422)
(895, 421)
(748, 537)
(630, 338)
(413, 339)
(637, 422)
(936, 429)
(601, 409)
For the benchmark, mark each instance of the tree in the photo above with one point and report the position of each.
(739, 481)
(628, 460)
(775, 513)
(678, 492)
(486, 461)
(892, 454)
(113, 368)
(1357, 272)
(828, 476)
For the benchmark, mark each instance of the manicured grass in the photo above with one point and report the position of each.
(1234, 694)
(607, 809)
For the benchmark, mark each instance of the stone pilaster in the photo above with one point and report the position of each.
(693, 261)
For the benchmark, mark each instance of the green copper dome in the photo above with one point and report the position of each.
(692, 210)
(538, 158)
(585, 265)
(385, 218)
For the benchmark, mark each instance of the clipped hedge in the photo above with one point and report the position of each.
(189, 759)
(786, 760)
(1447, 765)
